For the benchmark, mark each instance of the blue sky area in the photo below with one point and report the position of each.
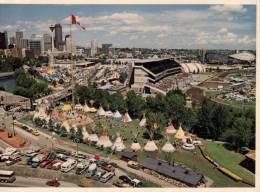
(151, 26)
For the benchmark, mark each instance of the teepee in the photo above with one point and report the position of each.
(104, 140)
(85, 135)
(78, 107)
(101, 111)
(180, 133)
(117, 116)
(126, 118)
(150, 146)
(118, 145)
(168, 147)
(170, 129)
(93, 138)
(143, 121)
(86, 108)
(135, 146)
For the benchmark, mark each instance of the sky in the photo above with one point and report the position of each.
(145, 26)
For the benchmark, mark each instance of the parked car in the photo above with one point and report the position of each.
(91, 170)
(137, 183)
(120, 183)
(108, 168)
(35, 133)
(44, 163)
(56, 166)
(133, 164)
(35, 164)
(62, 157)
(13, 161)
(24, 127)
(49, 166)
(107, 176)
(98, 175)
(126, 179)
(53, 183)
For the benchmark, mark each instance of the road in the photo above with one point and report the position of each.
(33, 182)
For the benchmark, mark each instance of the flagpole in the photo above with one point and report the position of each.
(73, 68)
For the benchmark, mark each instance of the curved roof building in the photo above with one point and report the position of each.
(244, 56)
(192, 68)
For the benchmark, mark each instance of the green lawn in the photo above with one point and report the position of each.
(228, 159)
(191, 159)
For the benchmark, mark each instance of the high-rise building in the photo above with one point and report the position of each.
(70, 44)
(47, 42)
(18, 38)
(105, 48)
(12, 40)
(94, 48)
(36, 44)
(58, 42)
(24, 43)
(3, 40)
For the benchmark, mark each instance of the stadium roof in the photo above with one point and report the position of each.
(243, 56)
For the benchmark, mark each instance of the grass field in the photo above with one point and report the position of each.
(228, 159)
(191, 159)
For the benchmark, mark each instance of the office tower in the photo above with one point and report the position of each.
(93, 48)
(3, 40)
(58, 43)
(12, 40)
(47, 42)
(18, 38)
(70, 44)
(106, 48)
(36, 44)
(24, 43)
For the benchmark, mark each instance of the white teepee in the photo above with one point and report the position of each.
(135, 146)
(86, 108)
(85, 135)
(168, 147)
(143, 121)
(118, 145)
(170, 129)
(79, 107)
(93, 138)
(101, 111)
(150, 146)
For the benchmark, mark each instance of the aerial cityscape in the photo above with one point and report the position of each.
(127, 96)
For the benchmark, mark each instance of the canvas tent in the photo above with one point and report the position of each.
(143, 121)
(118, 145)
(104, 140)
(135, 146)
(101, 111)
(79, 107)
(117, 116)
(168, 147)
(126, 118)
(170, 129)
(150, 146)
(93, 138)
(180, 133)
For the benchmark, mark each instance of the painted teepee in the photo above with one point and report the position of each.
(135, 146)
(86, 108)
(118, 145)
(143, 121)
(78, 107)
(101, 111)
(150, 146)
(104, 140)
(170, 129)
(168, 147)
(180, 133)
(117, 116)
(126, 118)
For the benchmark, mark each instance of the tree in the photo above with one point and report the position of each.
(155, 121)
(135, 104)
(63, 132)
(240, 134)
(72, 133)
(117, 102)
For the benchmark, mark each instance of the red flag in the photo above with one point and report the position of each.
(74, 21)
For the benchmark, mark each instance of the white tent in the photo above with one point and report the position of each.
(170, 129)
(101, 111)
(84, 129)
(117, 116)
(85, 135)
(104, 140)
(150, 146)
(168, 147)
(135, 146)
(143, 121)
(126, 118)
(118, 145)
(93, 138)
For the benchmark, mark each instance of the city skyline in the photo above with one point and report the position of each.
(148, 26)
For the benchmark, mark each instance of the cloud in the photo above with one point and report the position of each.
(223, 30)
(228, 8)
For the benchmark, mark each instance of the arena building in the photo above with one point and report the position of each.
(154, 75)
(192, 68)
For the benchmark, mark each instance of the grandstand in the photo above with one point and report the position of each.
(154, 75)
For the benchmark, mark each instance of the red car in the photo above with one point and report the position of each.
(53, 183)
(108, 168)
(45, 163)
(49, 166)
